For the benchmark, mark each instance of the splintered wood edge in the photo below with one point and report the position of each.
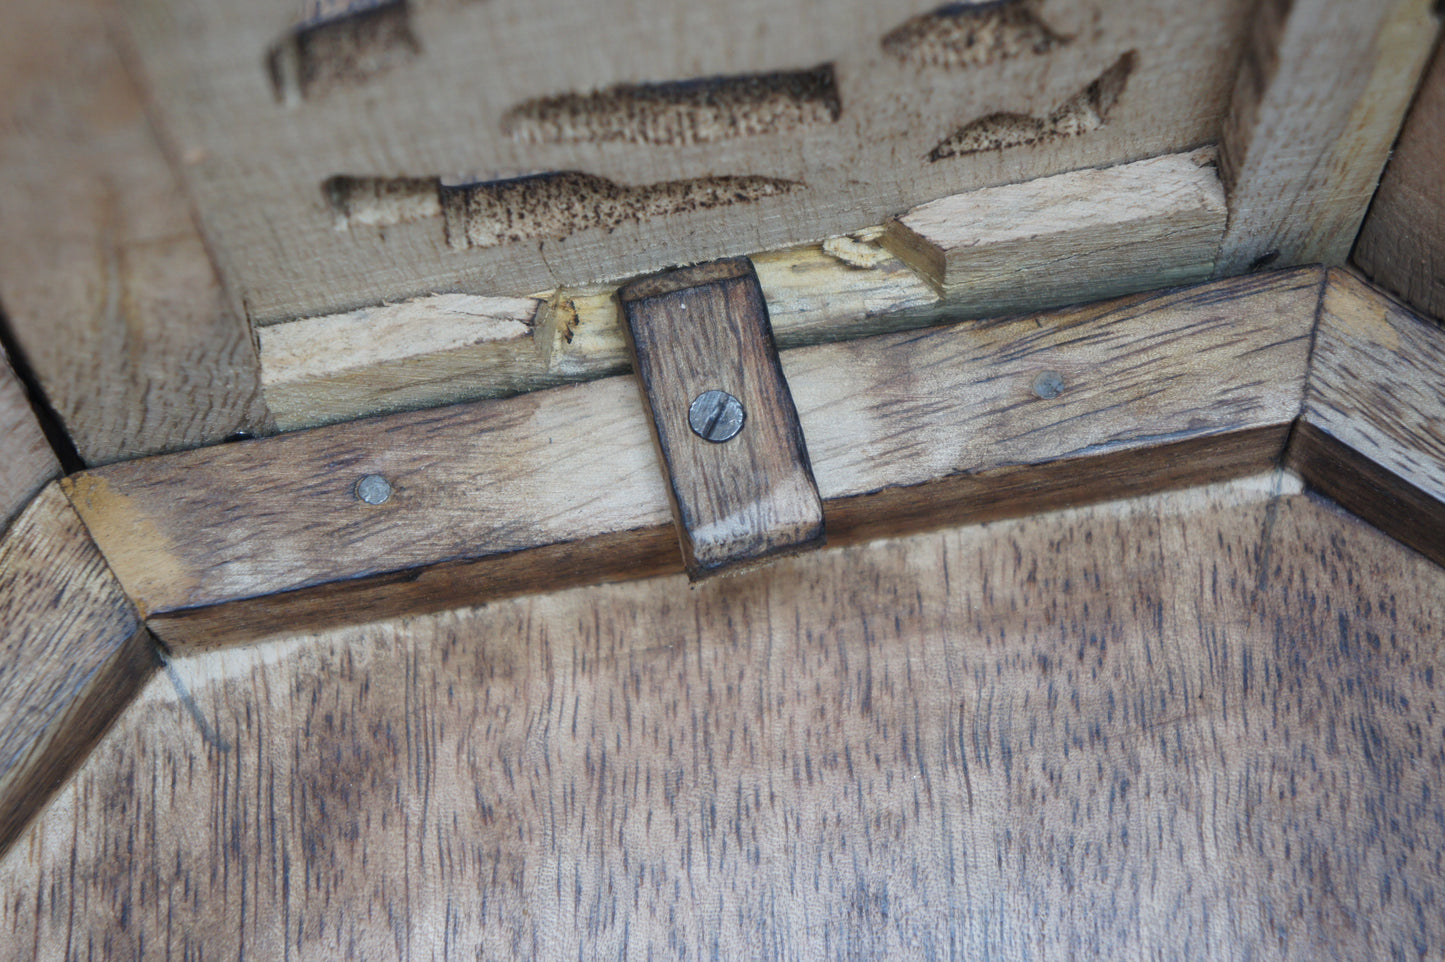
(1086, 235)
(236, 542)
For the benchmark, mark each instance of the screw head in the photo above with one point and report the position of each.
(373, 489)
(716, 416)
(1049, 384)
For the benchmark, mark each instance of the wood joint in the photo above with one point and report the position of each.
(726, 428)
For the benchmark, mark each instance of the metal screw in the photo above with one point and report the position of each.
(716, 416)
(373, 489)
(1049, 384)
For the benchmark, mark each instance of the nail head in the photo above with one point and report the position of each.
(373, 489)
(716, 416)
(1049, 384)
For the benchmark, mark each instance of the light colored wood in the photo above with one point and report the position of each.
(1070, 238)
(27, 461)
(487, 97)
(743, 497)
(907, 429)
(1320, 95)
(1073, 237)
(1198, 726)
(396, 357)
(1372, 435)
(449, 348)
(73, 653)
(106, 284)
(1402, 244)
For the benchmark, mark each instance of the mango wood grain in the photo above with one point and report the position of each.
(73, 652)
(1402, 243)
(1203, 725)
(27, 461)
(1372, 434)
(545, 488)
(1322, 89)
(736, 499)
(104, 279)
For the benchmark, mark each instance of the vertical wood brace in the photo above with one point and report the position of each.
(738, 498)
(1320, 94)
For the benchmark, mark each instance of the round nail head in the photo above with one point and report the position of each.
(716, 416)
(373, 489)
(1049, 384)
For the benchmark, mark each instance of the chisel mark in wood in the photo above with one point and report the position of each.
(537, 207)
(341, 49)
(972, 35)
(683, 112)
(1086, 111)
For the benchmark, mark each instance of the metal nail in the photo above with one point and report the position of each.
(373, 489)
(716, 416)
(1049, 384)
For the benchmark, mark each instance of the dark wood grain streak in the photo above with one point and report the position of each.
(1208, 378)
(27, 461)
(1372, 434)
(73, 652)
(751, 497)
(1401, 246)
(1199, 726)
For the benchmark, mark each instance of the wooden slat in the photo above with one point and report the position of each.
(1402, 244)
(73, 653)
(745, 493)
(1372, 435)
(1068, 239)
(26, 458)
(824, 121)
(103, 276)
(1321, 92)
(971, 420)
(1202, 726)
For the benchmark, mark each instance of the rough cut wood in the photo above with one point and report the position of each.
(1321, 91)
(449, 348)
(1070, 238)
(1075, 237)
(26, 458)
(73, 653)
(837, 104)
(747, 493)
(419, 353)
(1191, 727)
(908, 429)
(103, 276)
(1402, 244)
(1372, 435)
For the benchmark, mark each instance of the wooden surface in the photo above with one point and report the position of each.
(1372, 435)
(449, 348)
(103, 276)
(26, 458)
(835, 105)
(1402, 243)
(751, 495)
(1070, 238)
(1321, 91)
(72, 654)
(1188, 727)
(914, 428)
